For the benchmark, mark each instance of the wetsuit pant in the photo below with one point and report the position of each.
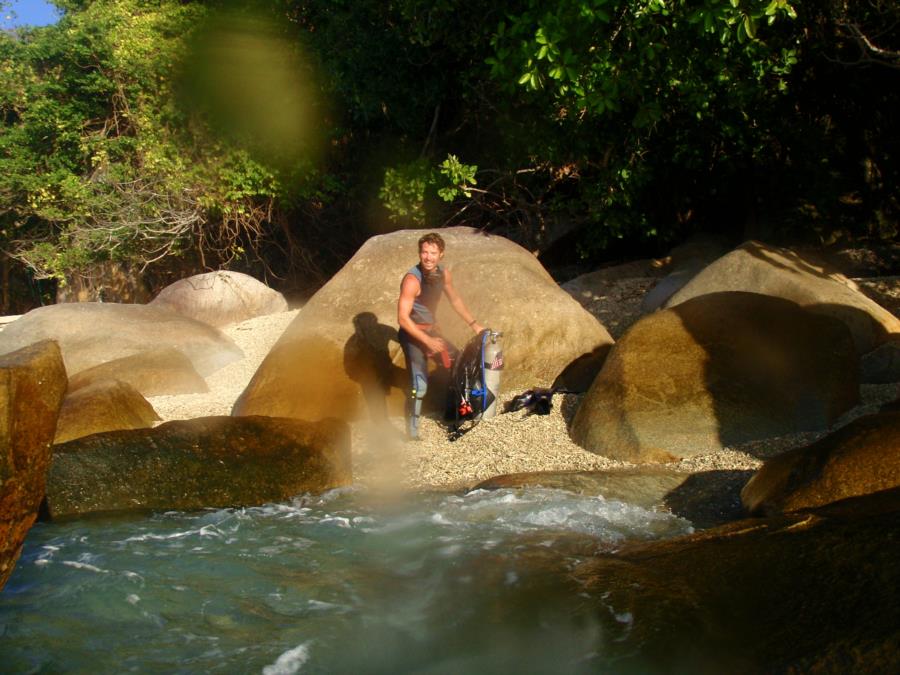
(417, 366)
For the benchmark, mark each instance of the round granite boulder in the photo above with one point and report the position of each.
(321, 364)
(105, 405)
(718, 370)
(157, 372)
(220, 298)
(758, 268)
(91, 333)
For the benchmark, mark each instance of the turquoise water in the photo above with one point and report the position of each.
(330, 584)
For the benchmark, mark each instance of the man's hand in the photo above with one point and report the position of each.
(476, 328)
(434, 344)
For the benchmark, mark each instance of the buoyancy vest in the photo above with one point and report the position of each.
(431, 288)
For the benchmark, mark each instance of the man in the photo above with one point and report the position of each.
(420, 292)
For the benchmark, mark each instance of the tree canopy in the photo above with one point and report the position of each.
(282, 134)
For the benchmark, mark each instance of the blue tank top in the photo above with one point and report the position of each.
(432, 287)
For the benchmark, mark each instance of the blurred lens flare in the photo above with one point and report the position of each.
(251, 80)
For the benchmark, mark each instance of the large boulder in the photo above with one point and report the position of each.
(684, 263)
(758, 268)
(192, 464)
(306, 373)
(859, 459)
(91, 333)
(105, 405)
(808, 592)
(32, 386)
(220, 298)
(157, 372)
(715, 371)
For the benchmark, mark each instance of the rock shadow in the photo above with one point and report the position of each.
(709, 498)
(743, 366)
(367, 361)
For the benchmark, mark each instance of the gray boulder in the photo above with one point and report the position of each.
(220, 298)
(718, 370)
(193, 464)
(32, 386)
(307, 374)
(91, 333)
(758, 268)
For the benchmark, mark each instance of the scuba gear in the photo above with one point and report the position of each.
(537, 401)
(475, 381)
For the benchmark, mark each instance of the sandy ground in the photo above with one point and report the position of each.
(509, 443)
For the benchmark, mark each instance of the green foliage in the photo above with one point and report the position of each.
(403, 192)
(627, 120)
(99, 161)
(460, 176)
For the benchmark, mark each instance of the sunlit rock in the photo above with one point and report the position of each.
(858, 459)
(105, 405)
(32, 385)
(193, 464)
(157, 372)
(91, 333)
(220, 298)
(717, 370)
(346, 335)
(759, 268)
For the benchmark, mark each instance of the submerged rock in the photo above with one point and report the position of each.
(32, 386)
(205, 462)
(345, 338)
(858, 459)
(706, 499)
(716, 371)
(106, 405)
(220, 298)
(91, 333)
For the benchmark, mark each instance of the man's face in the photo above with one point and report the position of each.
(429, 256)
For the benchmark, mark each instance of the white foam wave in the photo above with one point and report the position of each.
(84, 566)
(290, 662)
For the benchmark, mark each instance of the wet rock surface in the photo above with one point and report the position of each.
(32, 386)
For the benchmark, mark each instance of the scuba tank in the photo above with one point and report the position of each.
(475, 381)
(491, 367)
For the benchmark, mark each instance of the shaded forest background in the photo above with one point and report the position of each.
(145, 140)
